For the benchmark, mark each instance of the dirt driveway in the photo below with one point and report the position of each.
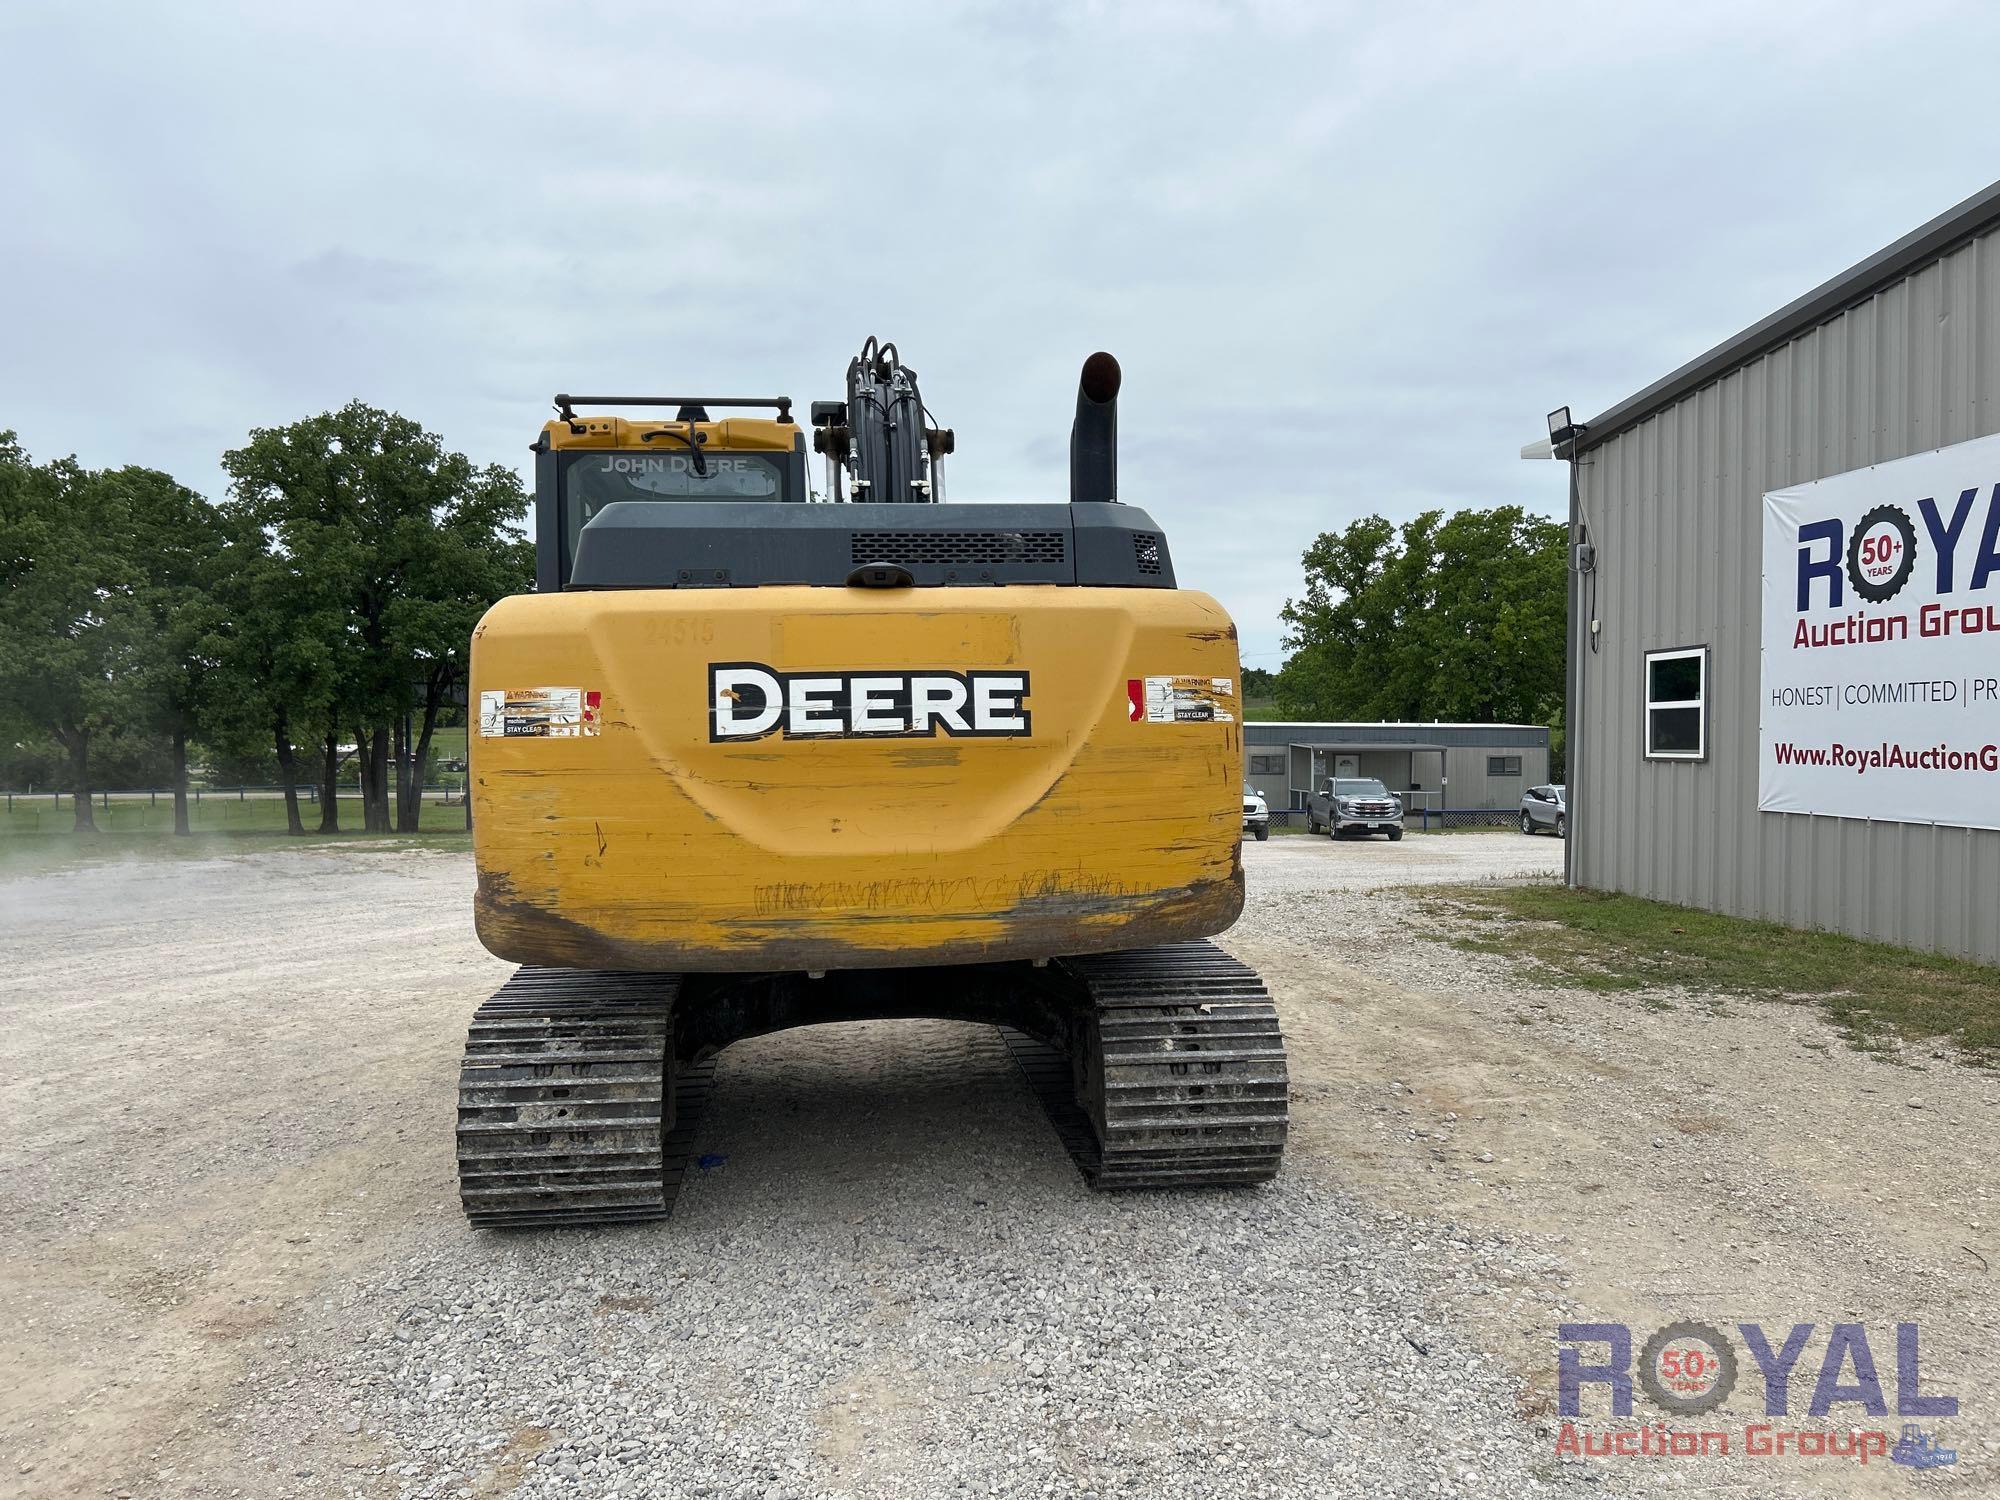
(234, 1263)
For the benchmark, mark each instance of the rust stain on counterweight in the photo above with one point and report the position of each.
(1047, 924)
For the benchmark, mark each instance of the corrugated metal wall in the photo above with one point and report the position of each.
(1675, 508)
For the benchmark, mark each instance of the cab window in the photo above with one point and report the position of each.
(592, 481)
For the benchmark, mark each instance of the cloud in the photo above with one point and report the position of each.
(1348, 255)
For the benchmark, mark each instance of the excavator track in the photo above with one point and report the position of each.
(1178, 1075)
(571, 1110)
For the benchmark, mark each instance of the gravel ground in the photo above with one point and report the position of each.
(1312, 864)
(889, 1280)
(1680, 1155)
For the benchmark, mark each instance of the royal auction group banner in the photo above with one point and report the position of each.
(1881, 672)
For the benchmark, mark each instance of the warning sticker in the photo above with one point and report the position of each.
(541, 713)
(1181, 700)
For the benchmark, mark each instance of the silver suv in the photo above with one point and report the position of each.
(1546, 807)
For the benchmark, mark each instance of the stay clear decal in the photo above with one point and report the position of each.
(559, 713)
(1181, 700)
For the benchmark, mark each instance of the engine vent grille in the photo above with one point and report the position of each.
(1146, 551)
(958, 548)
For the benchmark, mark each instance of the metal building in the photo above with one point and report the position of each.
(1432, 766)
(1898, 356)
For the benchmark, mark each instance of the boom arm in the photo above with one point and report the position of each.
(878, 435)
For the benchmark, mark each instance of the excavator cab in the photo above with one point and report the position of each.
(745, 761)
(585, 464)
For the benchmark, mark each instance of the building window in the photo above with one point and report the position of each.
(1677, 704)
(1503, 765)
(1267, 765)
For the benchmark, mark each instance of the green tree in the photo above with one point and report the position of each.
(31, 760)
(174, 562)
(403, 543)
(67, 629)
(277, 667)
(1457, 617)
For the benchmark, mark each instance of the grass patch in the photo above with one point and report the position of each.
(1873, 992)
(225, 812)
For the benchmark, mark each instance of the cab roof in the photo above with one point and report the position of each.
(731, 433)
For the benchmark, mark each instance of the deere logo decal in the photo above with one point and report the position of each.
(749, 700)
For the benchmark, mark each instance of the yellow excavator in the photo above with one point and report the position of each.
(752, 757)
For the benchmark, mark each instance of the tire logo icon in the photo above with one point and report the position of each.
(1688, 1368)
(1881, 553)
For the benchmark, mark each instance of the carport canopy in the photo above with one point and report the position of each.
(1320, 751)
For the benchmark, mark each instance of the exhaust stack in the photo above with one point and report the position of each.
(1093, 436)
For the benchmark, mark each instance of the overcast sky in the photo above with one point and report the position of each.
(1348, 255)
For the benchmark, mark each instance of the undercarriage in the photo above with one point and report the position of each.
(582, 1091)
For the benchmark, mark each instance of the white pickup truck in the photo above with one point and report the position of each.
(1256, 816)
(1354, 804)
